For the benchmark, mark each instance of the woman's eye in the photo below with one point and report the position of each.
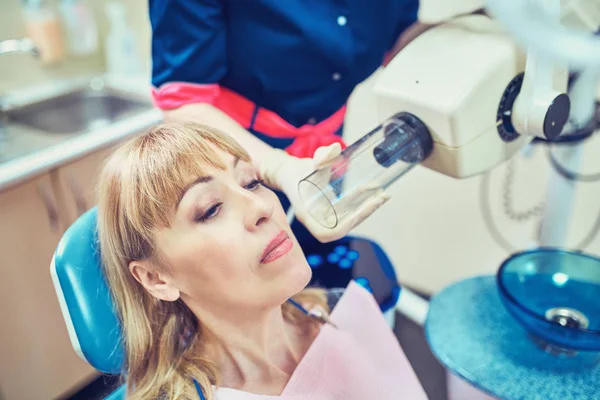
(254, 184)
(210, 213)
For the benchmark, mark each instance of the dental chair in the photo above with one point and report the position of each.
(89, 312)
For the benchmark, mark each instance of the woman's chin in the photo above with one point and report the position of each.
(298, 276)
(290, 282)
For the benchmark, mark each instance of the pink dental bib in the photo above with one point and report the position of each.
(361, 359)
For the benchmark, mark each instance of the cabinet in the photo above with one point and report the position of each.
(37, 360)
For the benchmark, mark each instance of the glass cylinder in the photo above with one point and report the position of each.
(365, 168)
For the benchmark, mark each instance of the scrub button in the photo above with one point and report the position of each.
(336, 76)
(341, 250)
(333, 258)
(341, 20)
(314, 260)
(312, 121)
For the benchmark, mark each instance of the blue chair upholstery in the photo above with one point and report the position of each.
(90, 314)
(85, 299)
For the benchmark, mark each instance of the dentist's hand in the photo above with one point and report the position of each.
(283, 172)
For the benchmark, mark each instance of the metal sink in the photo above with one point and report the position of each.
(77, 111)
(16, 141)
(50, 124)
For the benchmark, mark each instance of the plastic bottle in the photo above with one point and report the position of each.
(121, 50)
(44, 29)
(80, 27)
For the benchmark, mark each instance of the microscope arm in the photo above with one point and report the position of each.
(540, 110)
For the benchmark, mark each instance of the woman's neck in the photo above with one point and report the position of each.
(255, 351)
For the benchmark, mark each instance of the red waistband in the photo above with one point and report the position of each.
(308, 138)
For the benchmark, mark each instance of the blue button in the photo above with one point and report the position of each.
(345, 264)
(333, 258)
(352, 255)
(364, 282)
(341, 250)
(314, 260)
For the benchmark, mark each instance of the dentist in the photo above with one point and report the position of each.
(276, 75)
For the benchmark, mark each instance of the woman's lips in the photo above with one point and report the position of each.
(279, 246)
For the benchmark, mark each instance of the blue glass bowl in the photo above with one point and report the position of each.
(555, 295)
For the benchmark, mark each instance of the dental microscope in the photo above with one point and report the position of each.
(461, 99)
(464, 93)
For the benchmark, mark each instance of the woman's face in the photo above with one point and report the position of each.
(230, 243)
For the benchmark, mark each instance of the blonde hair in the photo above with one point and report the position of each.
(137, 192)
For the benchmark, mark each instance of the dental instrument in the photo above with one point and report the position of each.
(313, 313)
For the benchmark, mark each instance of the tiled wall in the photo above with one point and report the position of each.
(22, 70)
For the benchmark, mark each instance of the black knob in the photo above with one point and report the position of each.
(557, 116)
(406, 138)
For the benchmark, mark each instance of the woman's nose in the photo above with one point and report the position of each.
(258, 211)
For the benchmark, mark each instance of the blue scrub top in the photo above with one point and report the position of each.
(301, 59)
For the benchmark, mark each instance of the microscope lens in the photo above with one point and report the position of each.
(404, 140)
(391, 149)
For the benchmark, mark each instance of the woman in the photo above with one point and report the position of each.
(208, 280)
(273, 74)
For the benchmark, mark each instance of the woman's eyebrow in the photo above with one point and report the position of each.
(201, 179)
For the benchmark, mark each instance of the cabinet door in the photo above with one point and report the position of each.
(75, 183)
(37, 360)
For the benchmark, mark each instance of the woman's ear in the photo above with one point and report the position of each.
(155, 283)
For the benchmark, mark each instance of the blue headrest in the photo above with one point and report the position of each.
(85, 299)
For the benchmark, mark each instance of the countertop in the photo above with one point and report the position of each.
(27, 152)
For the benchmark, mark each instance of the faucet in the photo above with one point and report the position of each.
(12, 46)
(24, 45)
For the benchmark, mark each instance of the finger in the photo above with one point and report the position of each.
(370, 186)
(341, 229)
(365, 210)
(324, 154)
(313, 223)
(329, 228)
(320, 223)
